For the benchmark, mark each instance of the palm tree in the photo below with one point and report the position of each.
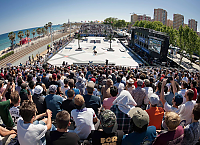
(20, 35)
(27, 33)
(78, 36)
(86, 32)
(105, 32)
(49, 25)
(39, 30)
(11, 36)
(46, 27)
(43, 31)
(33, 32)
(110, 38)
(64, 26)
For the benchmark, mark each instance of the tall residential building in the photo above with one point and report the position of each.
(136, 17)
(169, 23)
(178, 20)
(160, 15)
(192, 24)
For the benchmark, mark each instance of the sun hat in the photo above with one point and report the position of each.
(154, 99)
(52, 88)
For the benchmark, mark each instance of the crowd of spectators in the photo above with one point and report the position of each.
(95, 29)
(100, 105)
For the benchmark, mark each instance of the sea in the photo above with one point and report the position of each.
(5, 41)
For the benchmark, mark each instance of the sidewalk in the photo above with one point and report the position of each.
(185, 62)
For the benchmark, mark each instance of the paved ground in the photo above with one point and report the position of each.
(120, 56)
(185, 62)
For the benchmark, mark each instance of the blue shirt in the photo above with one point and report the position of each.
(53, 103)
(75, 90)
(135, 138)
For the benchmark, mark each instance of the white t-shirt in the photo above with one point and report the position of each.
(182, 92)
(84, 121)
(148, 91)
(14, 112)
(185, 112)
(169, 108)
(30, 134)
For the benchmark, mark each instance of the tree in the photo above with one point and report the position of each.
(46, 27)
(64, 26)
(86, 32)
(20, 35)
(136, 23)
(197, 48)
(180, 41)
(49, 25)
(12, 36)
(39, 30)
(110, 38)
(33, 33)
(43, 31)
(191, 43)
(27, 33)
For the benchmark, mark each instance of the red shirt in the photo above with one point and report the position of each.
(155, 116)
(195, 93)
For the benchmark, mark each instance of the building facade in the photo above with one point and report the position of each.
(178, 20)
(192, 24)
(169, 23)
(136, 17)
(160, 15)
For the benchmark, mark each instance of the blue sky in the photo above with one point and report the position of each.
(22, 14)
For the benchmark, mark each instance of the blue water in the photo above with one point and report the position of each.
(5, 42)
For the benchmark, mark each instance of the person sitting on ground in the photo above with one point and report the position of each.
(61, 136)
(6, 135)
(30, 131)
(68, 104)
(155, 113)
(175, 133)
(38, 99)
(108, 102)
(192, 131)
(121, 106)
(141, 133)
(53, 101)
(110, 134)
(92, 101)
(83, 117)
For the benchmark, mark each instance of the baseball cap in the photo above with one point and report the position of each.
(139, 117)
(79, 100)
(154, 99)
(140, 82)
(93, 79)
(178, 99)
(24, 85)
(52, 88)
(38, 89)
(54, 76)
(108, 121)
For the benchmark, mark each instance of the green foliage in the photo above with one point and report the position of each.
(20, 35)
(12, 36)
(27, 33)
(6, 55)
(39, 31)
(33, 32)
